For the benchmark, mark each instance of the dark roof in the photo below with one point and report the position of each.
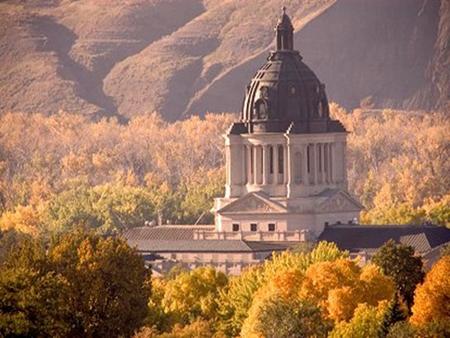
(165, 232)
(371, 237)
(207, 245)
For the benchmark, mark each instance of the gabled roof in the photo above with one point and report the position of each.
(371, 237)
(253, 202)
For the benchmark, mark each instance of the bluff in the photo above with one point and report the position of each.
(183, 57)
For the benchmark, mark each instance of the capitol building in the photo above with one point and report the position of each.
(286, 180)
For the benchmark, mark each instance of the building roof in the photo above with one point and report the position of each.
(165, 232)
(168, 238)
(371, 237)
(207, 245)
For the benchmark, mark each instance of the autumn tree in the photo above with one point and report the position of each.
(238, 297)
(31, 300)
(193, 294)
(431, 300)
(79, 285)
(400, 263)
(365, 323)
(338, 287)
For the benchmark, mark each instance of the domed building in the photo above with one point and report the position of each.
(286, 181)
(285, 157)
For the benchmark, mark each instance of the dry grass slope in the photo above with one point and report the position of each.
(182, 57)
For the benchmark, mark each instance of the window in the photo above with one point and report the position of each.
(271, 226)
(326, 224)
(235, 227)
(280, 159)
(253, 227)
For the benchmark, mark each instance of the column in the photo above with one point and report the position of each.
(324, 171)
(256, 174)
(314, 163)
(249, 164)
(333, 163)
(304, 154)
(286, 164)
(244, 177)
(275, 164)
(265, 168)
(330, 163)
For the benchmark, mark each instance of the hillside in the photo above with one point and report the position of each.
(182, 57)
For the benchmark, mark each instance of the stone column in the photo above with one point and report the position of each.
(286, 164)
(333, 162)
(249, 164)
(275, 164)
(324, 171)
(289, 174)
(304, 154)
(314, 162)
(256, 175)
(265, 154)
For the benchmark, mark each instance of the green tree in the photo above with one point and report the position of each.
(81, 285)
(393, 315)
(281, 318)
(365, 323)
(108, 284)
(399, 262)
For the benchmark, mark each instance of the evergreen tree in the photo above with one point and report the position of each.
(399, 262)
(392, 315)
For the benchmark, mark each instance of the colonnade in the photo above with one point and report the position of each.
(265, 164)
(307, 164)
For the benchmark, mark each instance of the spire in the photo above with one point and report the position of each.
(284, 32)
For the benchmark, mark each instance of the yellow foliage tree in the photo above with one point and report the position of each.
(338, 287)
(431, 300)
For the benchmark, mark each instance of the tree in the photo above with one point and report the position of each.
(80, 285)
(431, 301)
(399, 262)
(338, 287)
(365, 323)
(193, 295)
(238, 297)
(279, 317)
(393, 315)
(108, 284)
(31, 302)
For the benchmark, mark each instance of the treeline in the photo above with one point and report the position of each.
(83, 285)
(65, 171)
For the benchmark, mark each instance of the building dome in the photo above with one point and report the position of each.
(285, 95)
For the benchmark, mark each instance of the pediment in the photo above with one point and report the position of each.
(340, 202)
(253, 203)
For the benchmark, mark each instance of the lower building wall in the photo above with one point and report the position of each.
(229, 263)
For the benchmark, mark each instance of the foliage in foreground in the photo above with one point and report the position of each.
(79, 285)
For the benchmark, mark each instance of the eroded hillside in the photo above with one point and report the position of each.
(182, 57)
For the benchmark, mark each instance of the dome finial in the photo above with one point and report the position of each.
(285, 32)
